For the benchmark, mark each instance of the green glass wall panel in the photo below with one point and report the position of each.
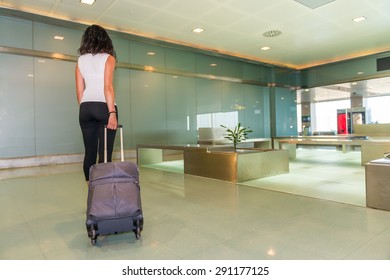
(284, 77)
(44, 39)
(204, 65)
(147, 54)
(154, 107)
(229, 68)
(122, 98)
(148, 108)
(232, 99)
(256, 111)
(56, 108)
(121, 47)
(285, 112)
(181, 110)
(334, 73)
(208, 93)
(212, 65)
(19, 37)
(258, 73)
(17, 132)
(180, 60)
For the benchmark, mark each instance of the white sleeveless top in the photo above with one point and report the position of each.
(92, 69)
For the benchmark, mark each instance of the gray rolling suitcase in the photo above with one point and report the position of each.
(114, 200)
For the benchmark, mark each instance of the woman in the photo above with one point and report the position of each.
(95, 94)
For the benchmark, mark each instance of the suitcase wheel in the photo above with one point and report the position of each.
(93, 235)
(138, 228)
(137, 232)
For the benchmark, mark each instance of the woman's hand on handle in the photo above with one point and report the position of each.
(112, 122)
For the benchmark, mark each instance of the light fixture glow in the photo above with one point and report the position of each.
(358, 19)
(148, 68)
(150, 53)
(57, 37)
(213, 64)
(88, 2)
(198, 30)
(265, 48)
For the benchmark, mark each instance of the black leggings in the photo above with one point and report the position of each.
(93, 116)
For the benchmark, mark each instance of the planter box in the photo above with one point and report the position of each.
(236, 166)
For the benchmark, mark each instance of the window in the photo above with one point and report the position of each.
(228, 119)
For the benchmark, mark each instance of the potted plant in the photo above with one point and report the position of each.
(238, 134)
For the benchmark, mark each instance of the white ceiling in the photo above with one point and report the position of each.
(235, 27)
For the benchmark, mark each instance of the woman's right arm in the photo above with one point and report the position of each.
(109, 91)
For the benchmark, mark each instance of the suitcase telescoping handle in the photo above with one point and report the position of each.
(121, 138)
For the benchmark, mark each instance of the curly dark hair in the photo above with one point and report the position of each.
(96, 40)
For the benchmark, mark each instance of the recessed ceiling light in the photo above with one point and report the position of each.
(213, 64)
(57, 37)
(150, 53)
(265, 48)
(358, 19)
(198, 30)
(88, 2)
(360, 73)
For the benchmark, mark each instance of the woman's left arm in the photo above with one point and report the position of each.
(80, 85)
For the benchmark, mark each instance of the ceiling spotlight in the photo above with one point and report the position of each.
(88, 2)
(358, 19)
(198, 30)
(57, 37)
(265, 48)
(150, 53)
(213, 64)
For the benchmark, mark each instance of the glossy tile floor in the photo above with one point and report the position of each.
(314, 212)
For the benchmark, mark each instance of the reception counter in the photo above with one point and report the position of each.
(371, 148)
(221, 162)
(378, 184)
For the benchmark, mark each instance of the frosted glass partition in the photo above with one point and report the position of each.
(123, 100)
(21, 28)
(255, 73)
(359, 69)
(181, 110)
(210, 65)
(256, 113)
(208, 96)
(44, 39)
(232, 99)
(178, 60)
(56, 108)
(161, 105)
(122, 49)
(148, 108)
(286, 112)
(17, 120)
(148, 55)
